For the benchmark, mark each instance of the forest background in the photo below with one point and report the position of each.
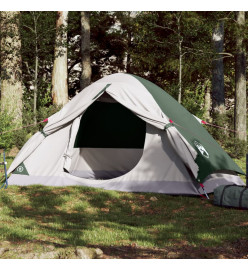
(197, 57)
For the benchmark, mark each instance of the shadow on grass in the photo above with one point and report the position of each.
(80, 216)
(43, 208)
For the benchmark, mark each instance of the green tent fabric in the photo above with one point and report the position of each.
(217, 159)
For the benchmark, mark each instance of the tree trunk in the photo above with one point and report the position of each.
(60, 72)
(180, 72)
(11, 71)
(207, 103)
(180, 41)
(218, 93)
(36, 70)
(85, 50)
(240, 79)
(128, 54)
(35, 88)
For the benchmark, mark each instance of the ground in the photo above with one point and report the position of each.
(38, 219)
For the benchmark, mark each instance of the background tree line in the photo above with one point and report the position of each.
(197, 57)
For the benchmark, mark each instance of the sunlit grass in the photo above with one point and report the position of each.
(82, 216)
(86, 216)
(242, 164)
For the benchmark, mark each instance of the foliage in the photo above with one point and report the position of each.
(11, 137)
(235, 147)
(38, 38)
(159, 35)
(227, 139)
(142, 43)
(6, 124)
(107, 47)
(193, 101)
(21, 136)
(45, 32)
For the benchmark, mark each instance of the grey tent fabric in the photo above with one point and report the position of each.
(70, 148)
(166, 164)
(152, 114)
(127, 95)
(164, 161)
(27, 150)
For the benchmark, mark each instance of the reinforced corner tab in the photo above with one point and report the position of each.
(43, 133)
(168, 126)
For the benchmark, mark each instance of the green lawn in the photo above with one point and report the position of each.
(127, 225)
(80, 216)
(242, 164)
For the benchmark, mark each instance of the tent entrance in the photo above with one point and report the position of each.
(109, 141)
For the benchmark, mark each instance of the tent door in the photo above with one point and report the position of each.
(106, 142)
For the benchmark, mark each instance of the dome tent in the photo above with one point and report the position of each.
(124, 133)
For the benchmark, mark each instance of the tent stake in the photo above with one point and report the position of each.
(202, 186)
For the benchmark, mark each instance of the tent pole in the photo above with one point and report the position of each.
(4, 163)
(247, 169)
(5, 168)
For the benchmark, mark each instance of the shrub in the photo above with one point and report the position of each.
(6, 124)
(193, 101)
(227, 139)
(235, 147)
(21, 136)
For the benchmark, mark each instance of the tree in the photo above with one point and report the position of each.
(218, 93)
(60, 72)
(240, 78)
(37, 32)
(126, 22)
(11, 70)
(109, 42)
(106, 51)
(85, 50)
(173, 50)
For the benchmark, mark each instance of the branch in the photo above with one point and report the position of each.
(164, 42)
(164, 27)
(45, 32)
(198, 50)
(223, 57)
(27, 66)
(185, 47)
(31, 29)
(226, 18)
(227, 54)
(38, 16)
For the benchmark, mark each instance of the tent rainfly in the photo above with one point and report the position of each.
(125, 133)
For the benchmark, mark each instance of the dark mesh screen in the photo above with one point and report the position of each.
(110, 125)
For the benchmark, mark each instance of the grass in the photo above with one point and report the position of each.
(81, 216)
(242, 164)
(38, 217)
